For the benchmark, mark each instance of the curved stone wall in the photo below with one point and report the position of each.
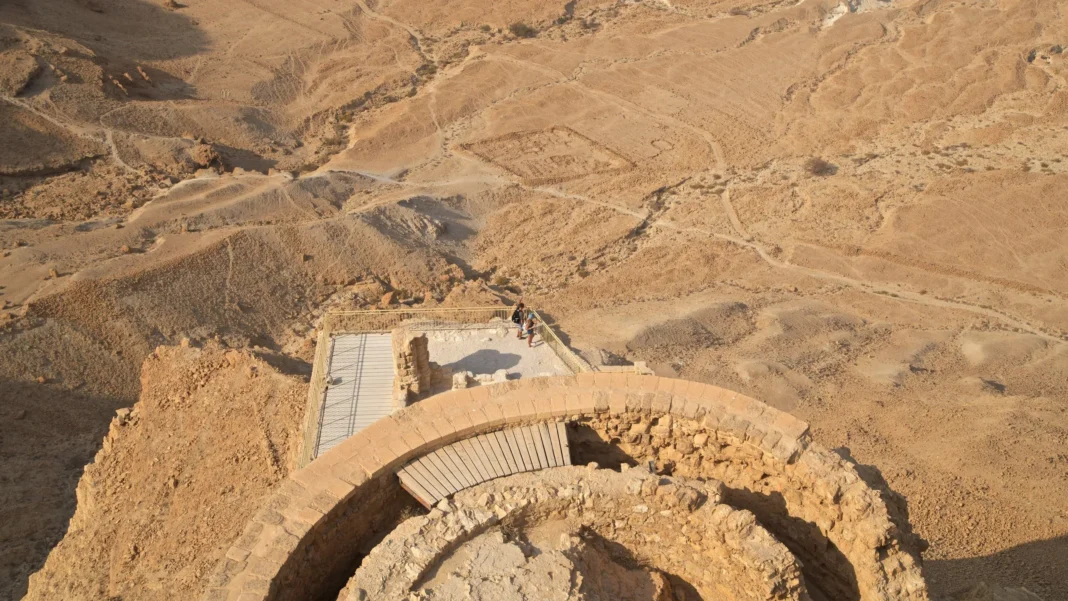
(308, 538)
(680, 527)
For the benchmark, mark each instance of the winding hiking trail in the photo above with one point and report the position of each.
(742, 240)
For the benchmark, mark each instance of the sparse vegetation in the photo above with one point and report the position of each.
(522, 30)
(819, 167)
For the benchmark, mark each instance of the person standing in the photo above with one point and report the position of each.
(517, 319)
(530, 329)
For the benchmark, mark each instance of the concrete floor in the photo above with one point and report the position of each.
(486, 350)
(360, 372)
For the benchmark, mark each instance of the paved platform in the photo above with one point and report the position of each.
(464, 464)
(360, 387)
(488, 349)
(360, 371)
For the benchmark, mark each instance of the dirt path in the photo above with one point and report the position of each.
(742, 239)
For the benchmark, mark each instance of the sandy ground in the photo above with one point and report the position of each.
(852, 211)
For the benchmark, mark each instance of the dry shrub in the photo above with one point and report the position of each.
(522, 30)
(819, 167)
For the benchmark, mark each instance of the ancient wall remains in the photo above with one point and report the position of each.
(411, 362)
(850, 533)
(679, 527)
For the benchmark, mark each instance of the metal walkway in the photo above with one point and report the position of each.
(463, 464)
(359, 390)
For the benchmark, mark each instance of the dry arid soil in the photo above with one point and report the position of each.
(853, 211)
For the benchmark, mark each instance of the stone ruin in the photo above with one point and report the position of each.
(411, 367)
(675, 532)
(688, 491)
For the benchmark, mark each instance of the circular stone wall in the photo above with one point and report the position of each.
(849, 533)
(591, 518)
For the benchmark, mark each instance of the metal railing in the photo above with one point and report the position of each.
(573, 362)
(354, 322)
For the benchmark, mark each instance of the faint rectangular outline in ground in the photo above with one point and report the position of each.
(494, 150)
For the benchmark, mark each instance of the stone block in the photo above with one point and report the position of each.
(666, 385)
(769, 441)
(260, 586)
(789, 425)
(237, 554)
(462, 420)
(370, 462)
(494, 414)
(415, 442)
(226, 570)
(306, 478)
(504, 389)
(216, 594)
(786, 450)
(527, 410)
(543, 408)
(748, 406)
(602, 380)
(646, 401)
(693, 390)
(735, 424)
(338, 488)
(429, 429)
(297, 521)
(268, 517)
(600, 401)
(382, 431)
(352, 472)
(323, 501)
(558, 404)
(512, 411)
(573, 402)
(661, 402)
(259, 565)
(755, 434)
(248, 538)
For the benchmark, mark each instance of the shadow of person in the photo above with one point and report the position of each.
(484, 361)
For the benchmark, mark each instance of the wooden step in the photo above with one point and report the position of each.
(472, 461)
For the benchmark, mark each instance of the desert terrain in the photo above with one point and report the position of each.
(852, 211)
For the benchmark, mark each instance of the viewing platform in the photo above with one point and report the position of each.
(368, 364)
